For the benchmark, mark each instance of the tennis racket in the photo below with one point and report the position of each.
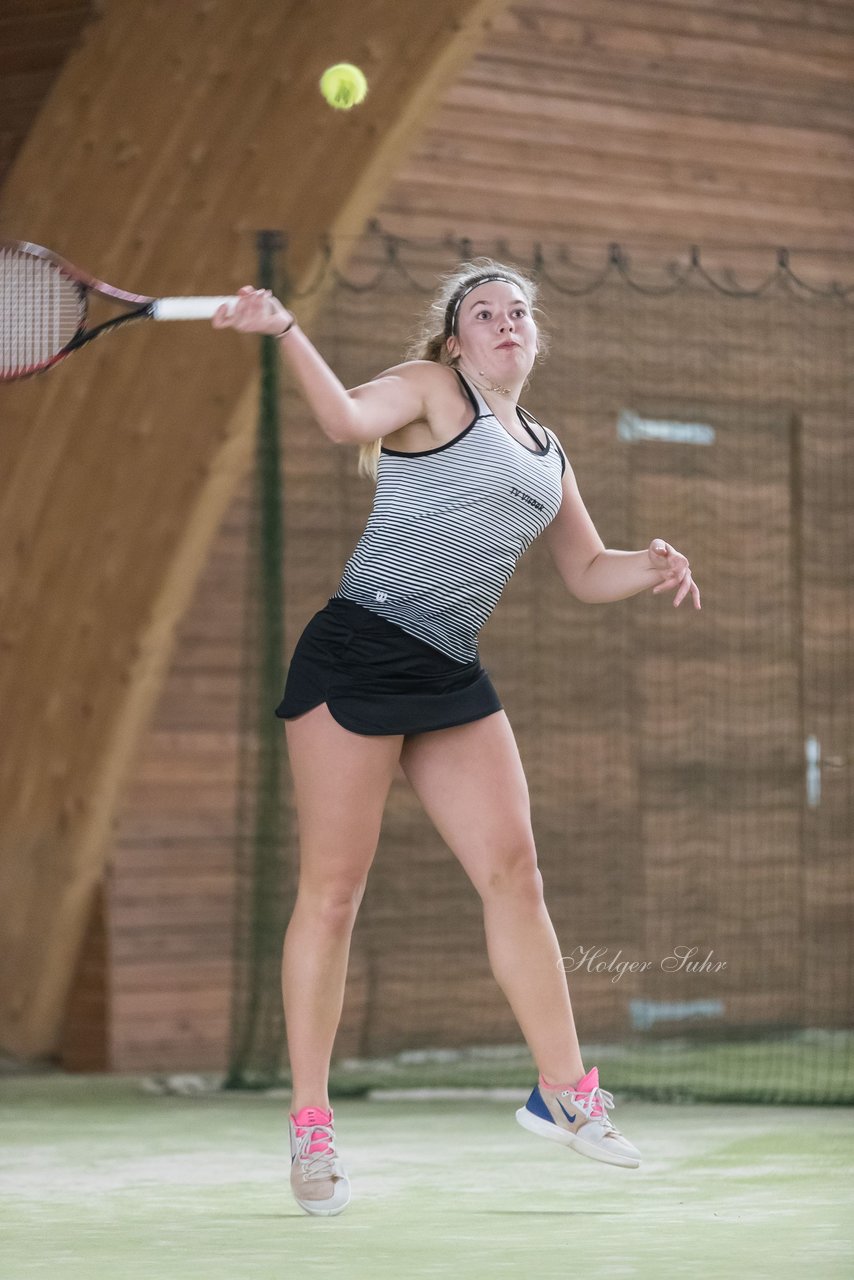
(44, 303)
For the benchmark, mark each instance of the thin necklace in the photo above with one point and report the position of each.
(501, 391)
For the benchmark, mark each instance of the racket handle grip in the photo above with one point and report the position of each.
(188, 308)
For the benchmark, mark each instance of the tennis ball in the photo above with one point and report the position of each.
(343, 86)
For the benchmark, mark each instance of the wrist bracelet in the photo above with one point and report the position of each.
(286, 329)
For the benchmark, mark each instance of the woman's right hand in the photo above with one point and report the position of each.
(256, 311)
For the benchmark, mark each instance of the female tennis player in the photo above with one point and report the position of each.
(388, 672)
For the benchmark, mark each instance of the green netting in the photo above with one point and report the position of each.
(689, 772)
(261, 889)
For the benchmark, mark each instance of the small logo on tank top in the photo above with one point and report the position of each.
(526, 497)
(381, 595)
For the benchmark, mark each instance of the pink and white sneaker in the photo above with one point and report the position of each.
(577, 1117)
(318, 1180)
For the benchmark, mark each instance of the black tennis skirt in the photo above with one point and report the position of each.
(377, 678)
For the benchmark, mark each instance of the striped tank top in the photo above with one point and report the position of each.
(448, 526)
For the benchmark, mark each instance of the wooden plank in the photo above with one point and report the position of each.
(166, 1006)
(174, 856)
(688, 120)
(654, 210)
(659, 45)
(504, 160)
(175, 950)
(719, 100)
(775, 26)
(591, 232)
(799, 15)
(464, 133)
(690, 87)
(165, 984)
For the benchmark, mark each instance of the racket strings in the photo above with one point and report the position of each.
(41, 310)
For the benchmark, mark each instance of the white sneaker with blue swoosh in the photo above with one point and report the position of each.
(577, 1116)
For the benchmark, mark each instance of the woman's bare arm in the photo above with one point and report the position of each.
(376, 408)
(364, 413)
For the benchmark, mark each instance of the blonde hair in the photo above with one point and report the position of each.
(429, 341)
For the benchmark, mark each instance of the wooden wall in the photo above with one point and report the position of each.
(577, 122)
(627, 119)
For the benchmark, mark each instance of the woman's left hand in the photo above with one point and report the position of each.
(676, 570)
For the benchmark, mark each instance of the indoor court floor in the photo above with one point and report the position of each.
(102, 1178)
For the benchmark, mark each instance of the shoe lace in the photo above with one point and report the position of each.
(316, 1164)
(595, 1103)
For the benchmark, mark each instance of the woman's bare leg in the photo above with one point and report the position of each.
(471, 783)
(341, 783)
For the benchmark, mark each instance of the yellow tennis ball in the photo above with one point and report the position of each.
(343, 86)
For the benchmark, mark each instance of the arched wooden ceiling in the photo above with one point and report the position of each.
(160, 136)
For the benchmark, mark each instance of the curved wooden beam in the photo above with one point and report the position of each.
(172, 133)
